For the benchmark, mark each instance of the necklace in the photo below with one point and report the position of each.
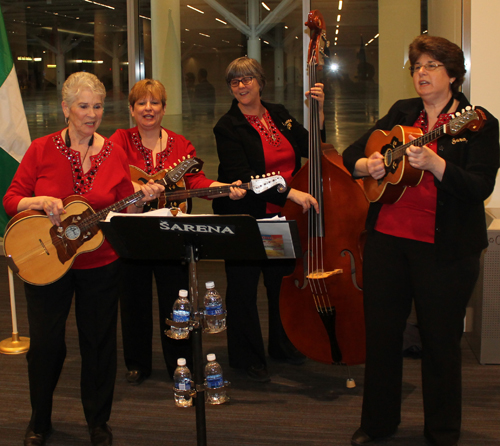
(67, 141)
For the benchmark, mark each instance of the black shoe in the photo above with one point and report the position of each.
(101, 435)
(258, 373)
(135, 377)
(32, 439)
(361, 437)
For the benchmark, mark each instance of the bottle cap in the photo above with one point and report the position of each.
(210, 285)
(181, 361)
(183, 293)
(211, 357)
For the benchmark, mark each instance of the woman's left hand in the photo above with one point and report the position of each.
(236, 192)
(423, 158)
(151, 191)
(317, 93)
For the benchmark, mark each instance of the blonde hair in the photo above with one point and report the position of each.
(147, 87)
(77, 82)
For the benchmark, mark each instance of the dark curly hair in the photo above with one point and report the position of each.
(443, 51)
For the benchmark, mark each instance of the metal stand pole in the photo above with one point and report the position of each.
(196, 336)
(17, 344)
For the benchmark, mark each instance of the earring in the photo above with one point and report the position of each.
(66, 120)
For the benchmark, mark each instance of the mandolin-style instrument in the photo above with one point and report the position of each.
(392, 145)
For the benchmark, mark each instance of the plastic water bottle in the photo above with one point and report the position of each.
(214, 308)
(181, 312)
(216, 393)
(182, 384)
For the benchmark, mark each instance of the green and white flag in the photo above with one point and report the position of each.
(14, 132)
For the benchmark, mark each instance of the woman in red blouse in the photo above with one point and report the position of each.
(75, 161)
(152, 148)
(424, 250)
(254, 138)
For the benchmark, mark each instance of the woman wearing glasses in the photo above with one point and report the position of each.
(254, 138)
(424, 248)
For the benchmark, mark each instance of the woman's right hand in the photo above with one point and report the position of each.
(52, 206)
(303, 199)
(372, 166)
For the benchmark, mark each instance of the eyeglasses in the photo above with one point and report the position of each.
(431, 66)
(244, 80)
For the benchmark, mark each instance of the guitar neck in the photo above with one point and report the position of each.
(183, 194)
(116, 207)
(421, 141)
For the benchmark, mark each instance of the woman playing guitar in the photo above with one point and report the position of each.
(425, 247)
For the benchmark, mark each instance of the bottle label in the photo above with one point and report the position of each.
(183, 385)
(214, 381)
(214, 311)
(180, 316)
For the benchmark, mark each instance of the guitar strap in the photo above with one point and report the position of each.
(447, 106)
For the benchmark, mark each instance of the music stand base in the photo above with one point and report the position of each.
(15, 345)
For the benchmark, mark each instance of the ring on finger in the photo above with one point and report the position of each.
(151, 195)
(51, 214)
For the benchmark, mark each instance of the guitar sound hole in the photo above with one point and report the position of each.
(388, 158)
(72, 232)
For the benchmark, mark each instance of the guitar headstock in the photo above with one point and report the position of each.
(317, 25)
(188, 165)
(470, 118)
(260, 185)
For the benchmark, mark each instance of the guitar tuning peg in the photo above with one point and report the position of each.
(183, 158)
(274, 173)
(468, 108)
(251, 177)
(458, 114)
(257, 177)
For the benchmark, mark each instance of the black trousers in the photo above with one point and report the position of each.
(96, 309)
(244, 335)
(136, 309)
(396, 272)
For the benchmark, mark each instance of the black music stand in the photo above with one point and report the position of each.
(230, 237)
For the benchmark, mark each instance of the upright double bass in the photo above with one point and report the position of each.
(321, 303)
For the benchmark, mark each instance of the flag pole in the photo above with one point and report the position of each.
(17, 344)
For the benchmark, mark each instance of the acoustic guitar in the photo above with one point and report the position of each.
(392, 145)
(41, 253)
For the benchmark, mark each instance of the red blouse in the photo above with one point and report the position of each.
(278, 152)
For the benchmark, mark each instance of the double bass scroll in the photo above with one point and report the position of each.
(321, 303)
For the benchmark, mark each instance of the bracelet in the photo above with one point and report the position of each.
(139, 205)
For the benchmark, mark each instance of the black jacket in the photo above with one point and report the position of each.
(241, 156)
(472, 161)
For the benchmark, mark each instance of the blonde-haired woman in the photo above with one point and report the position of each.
(74, 161)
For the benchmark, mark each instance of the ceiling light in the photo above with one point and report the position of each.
(99, 4)
(340, 5)
(195, 9)
(204, 35)
(221, 21)
(338, 18)
(265, 6)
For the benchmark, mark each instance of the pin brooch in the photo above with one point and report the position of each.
(288, 124)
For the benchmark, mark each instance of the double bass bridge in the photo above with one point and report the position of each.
(321, 275)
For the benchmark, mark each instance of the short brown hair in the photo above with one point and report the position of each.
(147, 87)
(244, 66)
(444, 51)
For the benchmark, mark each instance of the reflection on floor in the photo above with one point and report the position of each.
(349, 109)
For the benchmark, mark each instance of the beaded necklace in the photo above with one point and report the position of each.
(270, 133)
